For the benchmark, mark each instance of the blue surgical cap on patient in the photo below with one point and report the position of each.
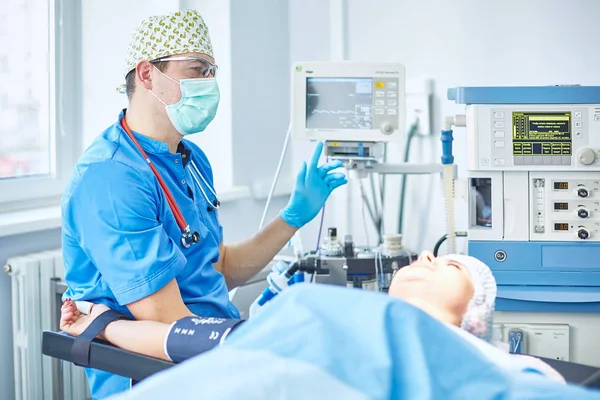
(479, 318)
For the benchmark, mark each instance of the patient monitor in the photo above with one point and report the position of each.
(348, 102)
(355, 108)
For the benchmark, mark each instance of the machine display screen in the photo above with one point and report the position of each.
(561, 206)
(561, 227)
(561, 185)
(541, 134)
(339, 103)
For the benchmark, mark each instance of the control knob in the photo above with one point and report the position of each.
(583, 233)
(387, 128)
(583, 192)
(583, 212)
(587, 156)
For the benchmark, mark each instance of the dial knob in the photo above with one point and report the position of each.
(387, 128)
(587, 156)
(583, 212)
(583, 192)
(583, 234)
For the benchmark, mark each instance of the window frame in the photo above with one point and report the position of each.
(65, 95)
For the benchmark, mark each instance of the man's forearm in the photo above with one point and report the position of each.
(143, 337)
(165, 305)
(241, 261)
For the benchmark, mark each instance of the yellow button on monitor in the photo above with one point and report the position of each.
(379, 85)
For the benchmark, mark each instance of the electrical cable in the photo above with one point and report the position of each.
(378, 213)
(382, 182)
(377, 275)
(375, 197)
(276, 177)
(381, 216)
(364, 218)
(374, 214)
(380, 281)
(382, 177)
(365, 200)
(320, 228)
(414, 128)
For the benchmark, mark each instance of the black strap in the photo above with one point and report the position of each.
(80, 351)
(593, 380)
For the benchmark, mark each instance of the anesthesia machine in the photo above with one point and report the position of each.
(354, 109)
(534, 193)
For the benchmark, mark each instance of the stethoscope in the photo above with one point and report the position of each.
(188, 237)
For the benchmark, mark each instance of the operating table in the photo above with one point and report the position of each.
(106, 357)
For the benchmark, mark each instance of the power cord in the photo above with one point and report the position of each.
(320, 228)
(414, 128)
(276, 177)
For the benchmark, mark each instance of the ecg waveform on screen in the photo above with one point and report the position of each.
(339, 104)
(317, 111)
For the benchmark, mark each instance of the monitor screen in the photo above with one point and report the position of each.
(542, 134)
(339, 103)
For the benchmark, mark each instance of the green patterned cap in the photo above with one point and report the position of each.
(166, 35)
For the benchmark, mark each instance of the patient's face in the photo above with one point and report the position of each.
(442, 283)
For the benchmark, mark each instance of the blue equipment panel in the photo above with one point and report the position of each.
(543, 276)
(525, 95)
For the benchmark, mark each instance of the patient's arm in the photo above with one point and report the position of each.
(143, 337)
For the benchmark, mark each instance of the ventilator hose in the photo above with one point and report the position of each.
(441, 240)
(449, 200)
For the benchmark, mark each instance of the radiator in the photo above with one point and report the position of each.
(37, 284)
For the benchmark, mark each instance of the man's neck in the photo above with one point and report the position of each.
(435, 311)
(153, 126)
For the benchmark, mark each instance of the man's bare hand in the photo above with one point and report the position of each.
(73, 322)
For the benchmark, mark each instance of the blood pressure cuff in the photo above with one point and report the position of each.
(191, 336)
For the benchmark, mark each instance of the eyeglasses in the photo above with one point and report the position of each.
(208, 68)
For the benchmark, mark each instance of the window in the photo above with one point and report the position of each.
(38, 110)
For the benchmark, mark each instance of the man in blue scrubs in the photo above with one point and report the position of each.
(121, 239)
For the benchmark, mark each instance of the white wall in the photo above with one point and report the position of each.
(471, 42)
(106, 36)
(216, 140)
(260, 77)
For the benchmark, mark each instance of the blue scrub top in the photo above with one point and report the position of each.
(121, 242)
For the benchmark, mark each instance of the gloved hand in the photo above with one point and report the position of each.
(313, 186)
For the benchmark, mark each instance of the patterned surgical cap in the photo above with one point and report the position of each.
(166, 35)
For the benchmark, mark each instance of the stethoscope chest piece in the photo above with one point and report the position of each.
(189, 238)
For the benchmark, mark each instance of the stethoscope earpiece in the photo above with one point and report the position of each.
(196, 237)
(215, 206)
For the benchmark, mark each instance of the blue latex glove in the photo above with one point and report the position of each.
(314, 184)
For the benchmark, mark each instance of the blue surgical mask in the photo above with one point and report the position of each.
(197, 107)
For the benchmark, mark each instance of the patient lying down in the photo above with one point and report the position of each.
(457, 290)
